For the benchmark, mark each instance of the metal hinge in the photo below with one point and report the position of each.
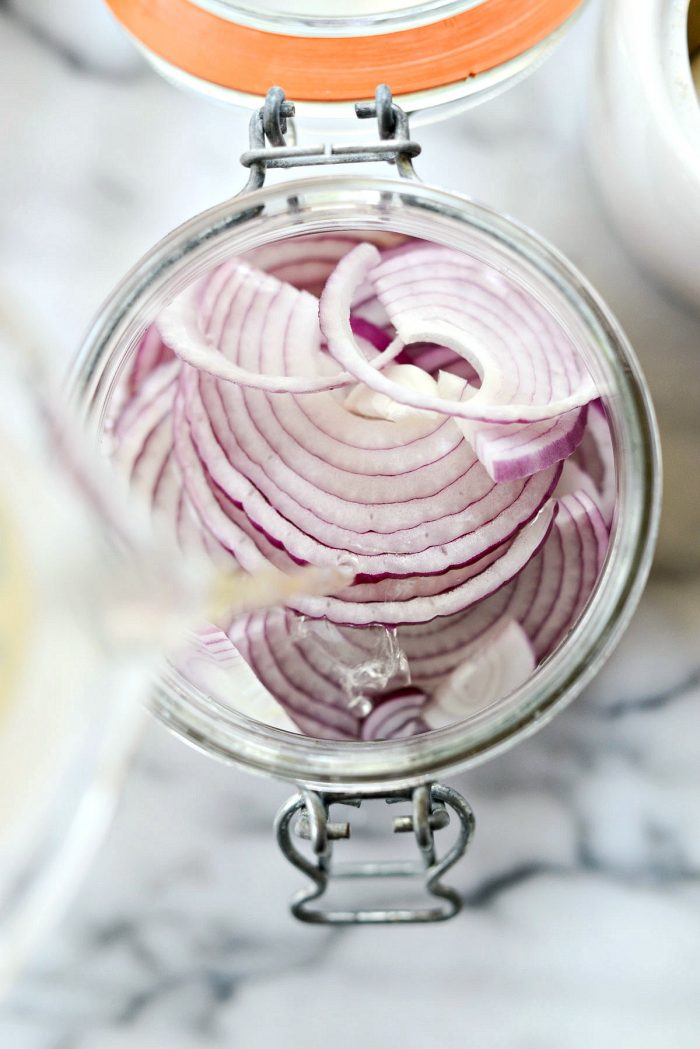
(268, 146)
(307, 814)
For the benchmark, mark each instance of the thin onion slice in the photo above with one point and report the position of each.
(307, 261)
(512, 451)
(295, 673)
(546, 598)
(424, 609)
(464, 662)
(280, 311)
(150, 353)
(487, 672)
(509, 391)
(318, 512)
(399, 714)
(595, 456)
(550, 594)
(212, 663)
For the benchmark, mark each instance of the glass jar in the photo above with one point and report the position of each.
(71, 683)
(85, 604)
(435, 53)
(265, 215)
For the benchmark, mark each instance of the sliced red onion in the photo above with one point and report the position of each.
(396, 716)
(529, 374)
(212, 663)
(150, 353)
(373, 334)
(329, 677)
(596, 458)
(432, 359)
(361, 400)
(469, 660)
(304, 262)
(512, 451)
(217, 645)
(307, 261)
(318, 512)
(487, 672)
(552, 591)
(524, 357)
(546, 598)
(429, 472)
(573, 479)
(255, 306)
(424, 609)
(294, 670)
(435, 649)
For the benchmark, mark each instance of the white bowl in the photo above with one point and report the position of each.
(644, 137)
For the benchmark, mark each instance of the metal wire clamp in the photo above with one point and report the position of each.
(431, 806)
(268, 146)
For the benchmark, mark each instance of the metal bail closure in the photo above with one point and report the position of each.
(268, 146)
(307, 815)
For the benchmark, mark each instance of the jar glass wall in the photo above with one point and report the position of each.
(372, 204)
(71, 682)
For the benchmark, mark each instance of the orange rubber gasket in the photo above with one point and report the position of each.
(336, 69)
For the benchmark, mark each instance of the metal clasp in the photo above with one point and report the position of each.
(431, 805)
(269, 147)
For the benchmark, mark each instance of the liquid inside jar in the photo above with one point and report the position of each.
(405, 429)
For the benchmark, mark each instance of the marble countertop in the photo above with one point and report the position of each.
(581, 924)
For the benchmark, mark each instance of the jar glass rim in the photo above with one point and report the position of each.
(366, 202)
(350, 22)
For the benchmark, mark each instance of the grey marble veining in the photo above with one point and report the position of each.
(582, 892)
(581, 924)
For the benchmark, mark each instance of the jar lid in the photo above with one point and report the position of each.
(339, 57)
